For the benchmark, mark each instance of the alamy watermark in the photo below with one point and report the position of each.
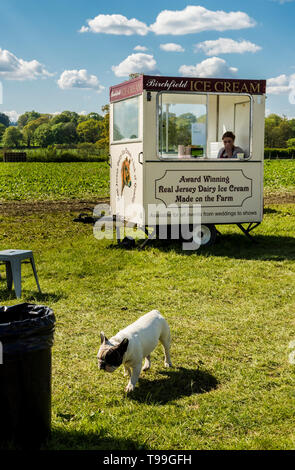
(174, 222)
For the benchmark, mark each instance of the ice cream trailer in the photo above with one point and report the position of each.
(165, 137)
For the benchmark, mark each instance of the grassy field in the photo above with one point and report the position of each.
(231, 313)
(230, 308)
(52, 181)
(279, 175)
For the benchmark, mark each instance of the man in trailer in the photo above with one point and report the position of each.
(230, 150)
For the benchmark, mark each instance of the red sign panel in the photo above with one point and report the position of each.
(126, 89)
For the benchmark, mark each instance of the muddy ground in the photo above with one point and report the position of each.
(78, 206)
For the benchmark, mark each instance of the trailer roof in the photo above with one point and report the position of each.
(191, 84)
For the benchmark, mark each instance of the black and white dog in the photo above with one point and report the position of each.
(131, 345)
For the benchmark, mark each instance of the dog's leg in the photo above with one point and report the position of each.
(165, 340)
(134, 378)
(127, 371)
(147, 363)
(167, 360)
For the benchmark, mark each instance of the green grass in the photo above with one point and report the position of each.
(231, 312)
(279, 175)
(52, 181)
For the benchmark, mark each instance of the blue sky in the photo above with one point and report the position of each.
(52, 58)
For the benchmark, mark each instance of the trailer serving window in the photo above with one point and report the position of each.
(191, 126)
(126, 119)
(182, 125)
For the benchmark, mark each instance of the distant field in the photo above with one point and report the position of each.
(66, 181)
(53, 181)
(279, 174)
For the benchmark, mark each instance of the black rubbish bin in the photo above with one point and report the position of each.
(26, 338)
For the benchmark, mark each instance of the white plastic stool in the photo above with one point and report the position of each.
(12, 260)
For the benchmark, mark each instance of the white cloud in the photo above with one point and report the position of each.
(135, 63)
(292, 90)
(79, 79)
(281, 80)
(13, 68)
(226, 46)
(213, 67)
(140, 48)
(194, 19)
(115, 24)
(278, 85)
(13, 115)
(171, 47)
(282, 84)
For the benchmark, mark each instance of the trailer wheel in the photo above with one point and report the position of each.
(128, 243)
(207, 234)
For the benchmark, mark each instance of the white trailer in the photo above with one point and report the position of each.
(165, 134)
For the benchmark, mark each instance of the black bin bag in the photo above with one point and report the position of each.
(26, 339)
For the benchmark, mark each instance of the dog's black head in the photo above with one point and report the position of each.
(110, 357)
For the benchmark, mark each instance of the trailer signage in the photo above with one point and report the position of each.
(205, 85)
(200, 85)
(220, 188)
(126, 183)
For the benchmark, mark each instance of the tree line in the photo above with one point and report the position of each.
(279, 131)
(68, 128)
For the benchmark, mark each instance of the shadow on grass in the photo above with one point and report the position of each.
(268, 210)
(45, 297)
(235, 245)
(179, 382)
(27, 295)
(263, 248)
(78, 440)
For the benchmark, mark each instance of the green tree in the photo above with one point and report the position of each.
(278, 130)
(64, 133)
(104, 141)
(12, 137)
(2, 130)
(43, 135)
(70, 133)
(291, 142)
(285, 132)
(30, 128)
(59, 118)
(95, 116)
(292, 127)
(271, 130)
(4, 119)
(72, 115)
(65, 116)
(25, 118)
(89, 131)
(28, 131)
(172, 131)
